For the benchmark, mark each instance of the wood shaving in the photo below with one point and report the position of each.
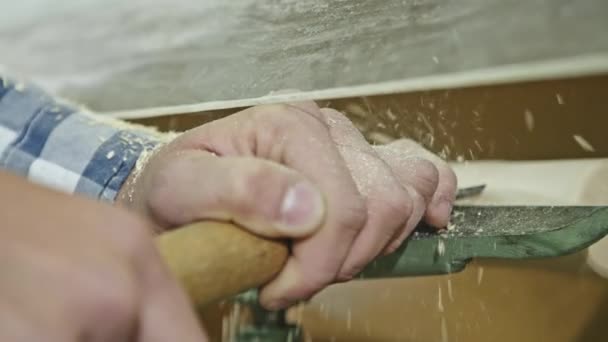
(441, 247)
(450, 294)
(355, 109)
(529, 120)
(583, 143)
(391, 115)
(451, 226)
(444, 330)
(380, 138)
(440, 300)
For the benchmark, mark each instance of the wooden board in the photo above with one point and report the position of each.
(151, 57)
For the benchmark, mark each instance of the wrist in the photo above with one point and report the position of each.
(131, 194)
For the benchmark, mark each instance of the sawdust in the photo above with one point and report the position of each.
(298, 311)
(231, 323)
(142, 161)
(583, 143)
(529, 120)
(391, 116)
(380, 138)
(451, 226)
(349, 319)
(368, 332)
(440, 307)
(440, 247)
(491, 220)
(479, 275)
(444, 330)
(450, 293)
(357, 110)
(478, 145)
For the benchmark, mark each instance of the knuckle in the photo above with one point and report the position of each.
(417, 198)
(256, 189)
(277, 120)
(285, 118)
(426, 177)
(354, 215)
(404, 144)
(396, 202)
(334, 115)
(447, 184)
(428, 172)
(450, 177)
(275, 113)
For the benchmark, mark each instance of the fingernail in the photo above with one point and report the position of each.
(444, 209)
(302, 208)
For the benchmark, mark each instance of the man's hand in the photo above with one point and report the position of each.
(301, 171)
(74, 270)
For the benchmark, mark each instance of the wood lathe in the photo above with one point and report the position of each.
(184, 57)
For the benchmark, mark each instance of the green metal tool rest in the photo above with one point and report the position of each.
(478, 232)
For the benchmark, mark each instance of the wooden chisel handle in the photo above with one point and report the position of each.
(215, 260)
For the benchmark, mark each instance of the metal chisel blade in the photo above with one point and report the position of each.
(476, 221)
(509, 232)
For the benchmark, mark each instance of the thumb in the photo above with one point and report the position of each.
(262, 196)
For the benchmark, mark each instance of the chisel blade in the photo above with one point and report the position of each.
(507, 232)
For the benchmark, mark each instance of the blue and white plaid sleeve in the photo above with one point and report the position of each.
(64, 147)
